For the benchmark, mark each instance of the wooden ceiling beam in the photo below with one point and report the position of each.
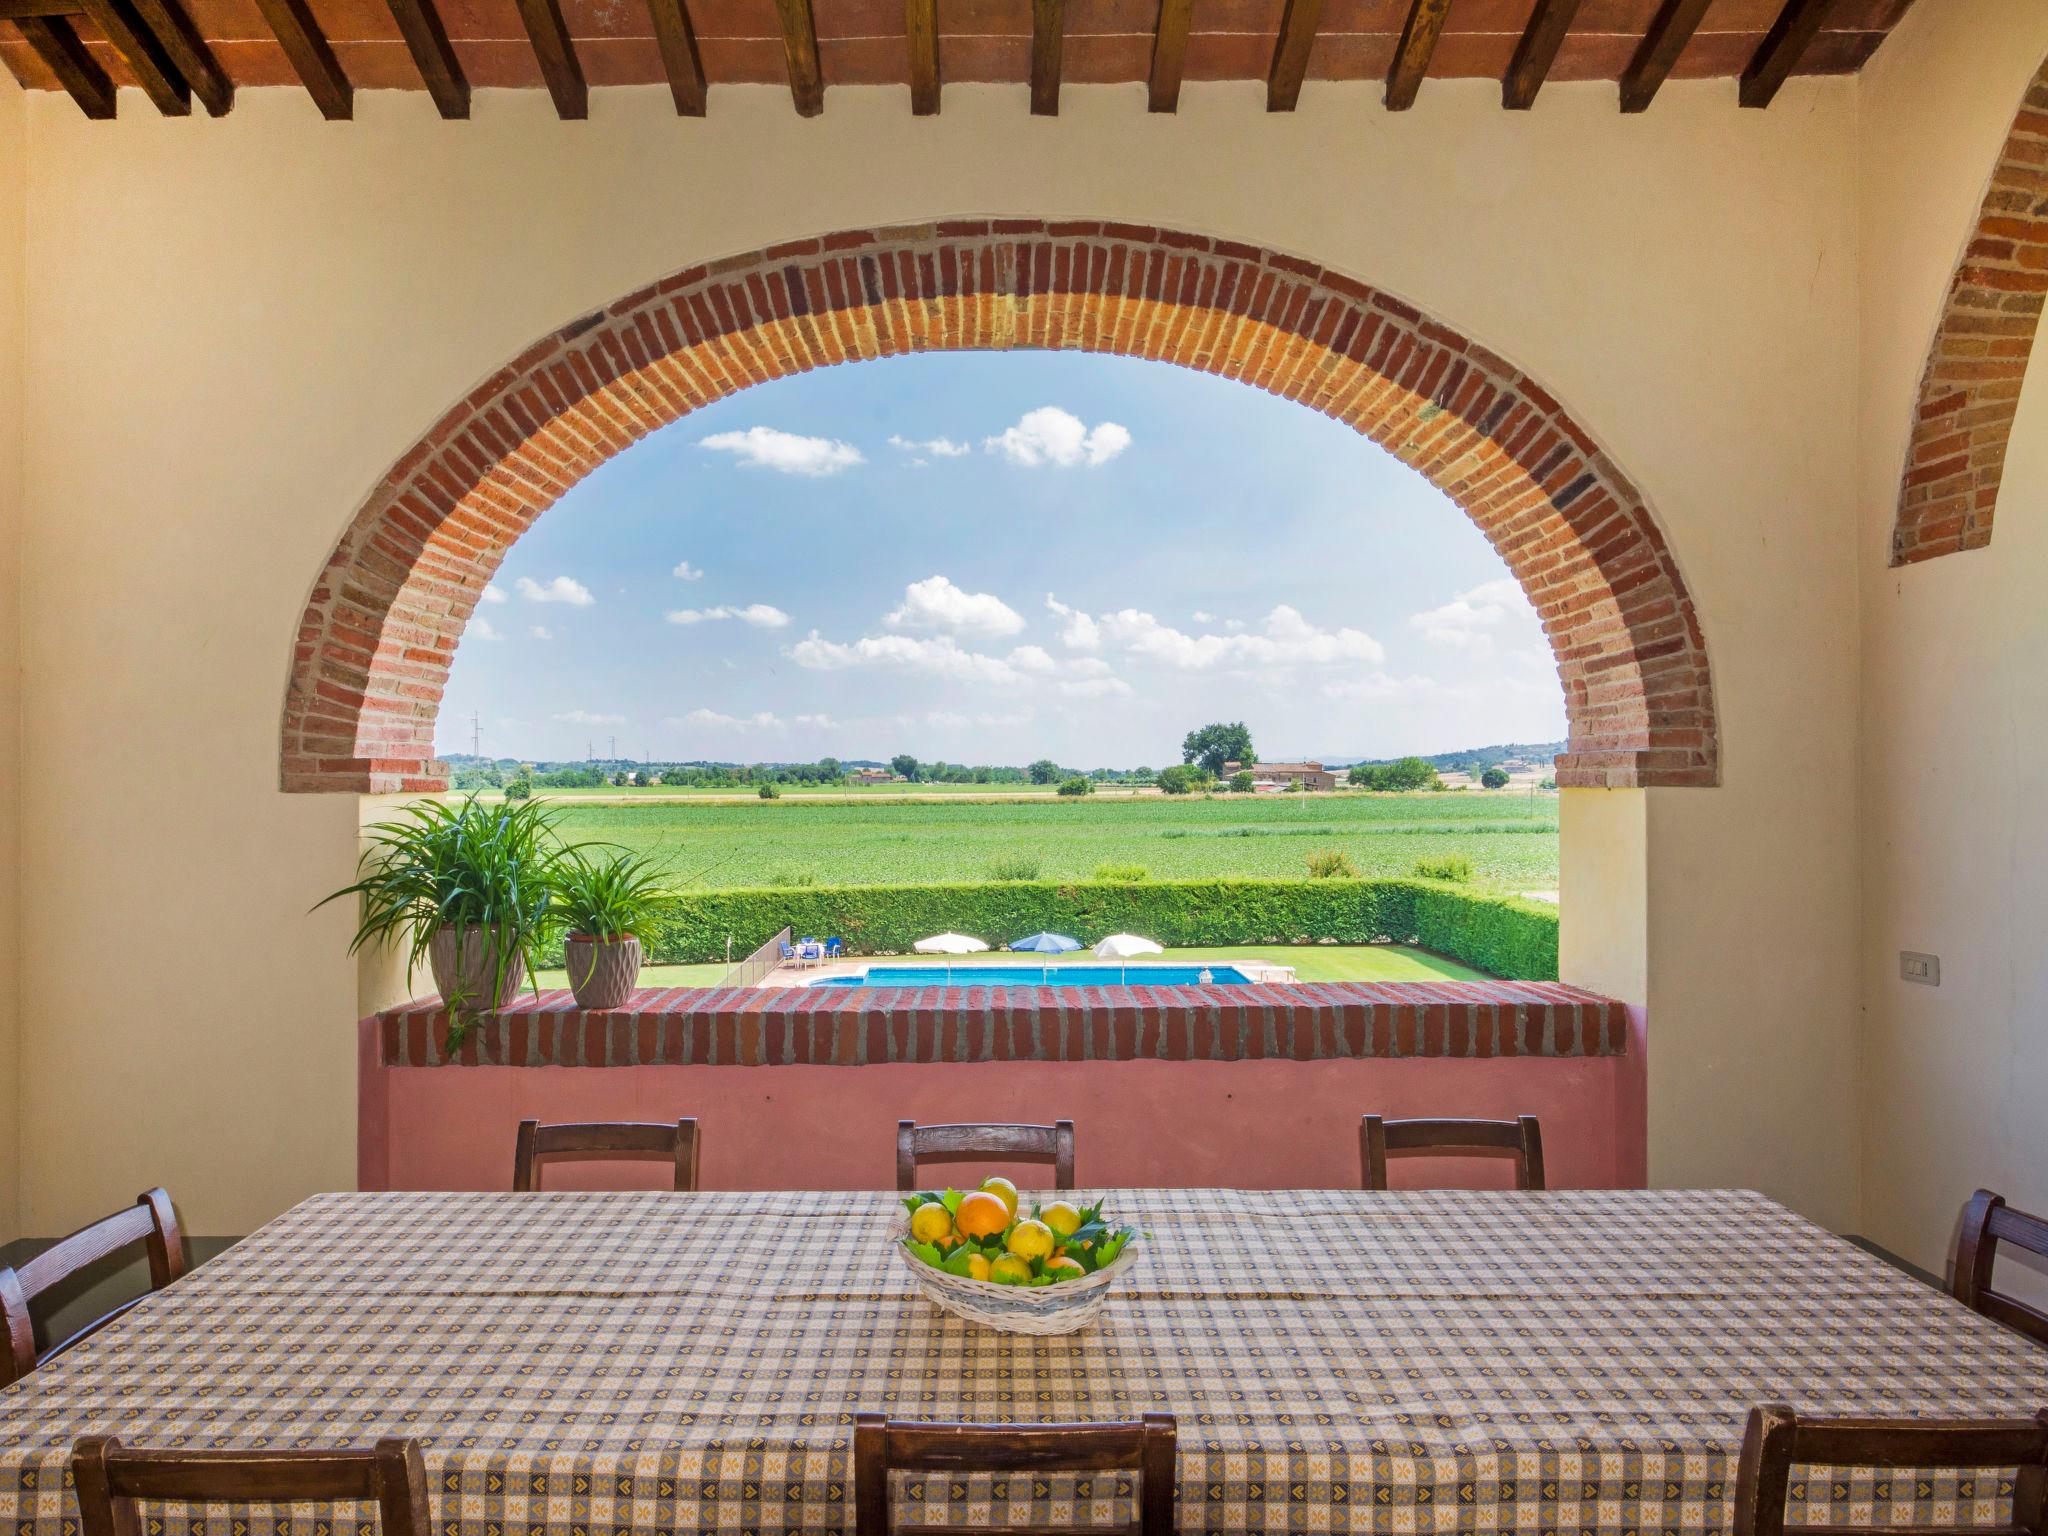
(680, 60)
(143, 54)
(800, 49)
(1169, 53)
(1297, 39)
(1048, 42)
(15, 10)
(1781, 50)
(921, 31)
(181, 40)
(61, 49)
(556, 54)
(1419, 33)
(304, 44)
(427, 41)
(1670, 31)
(1536, 52)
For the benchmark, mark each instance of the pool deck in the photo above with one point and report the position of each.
(1259, 972)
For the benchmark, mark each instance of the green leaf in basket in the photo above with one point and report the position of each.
(957, 1262)
(1039, 1280)
(1088, 1232)
(951, 1200)
(1107, 1250)
(927, 1252)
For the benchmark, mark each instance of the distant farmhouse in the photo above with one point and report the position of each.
(877, 776)
(1273, 778)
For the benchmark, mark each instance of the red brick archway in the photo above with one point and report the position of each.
(384, 618)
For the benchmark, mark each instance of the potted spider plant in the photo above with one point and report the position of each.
(468, 888)
(604, 903)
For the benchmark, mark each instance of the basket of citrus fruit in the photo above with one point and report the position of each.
(980, 1257)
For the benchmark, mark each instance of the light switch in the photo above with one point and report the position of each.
(1925, 969)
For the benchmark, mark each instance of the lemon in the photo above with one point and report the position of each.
(1064, 1268)
(1009, 1270)
(931, 1224)
(1031, 1240)
(1004, 1191)
(977, 1266)
(1062, 1217)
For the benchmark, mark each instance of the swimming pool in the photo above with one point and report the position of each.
(1042, 976)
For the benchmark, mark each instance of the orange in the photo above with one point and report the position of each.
(1064, 1268)
(931, 1224)
(1003, 1190)
(981, 1215)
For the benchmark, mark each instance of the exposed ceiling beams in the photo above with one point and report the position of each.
(92, 48)
(1536, 53)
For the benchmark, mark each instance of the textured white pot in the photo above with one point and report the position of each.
(462, 961)
(602, 972)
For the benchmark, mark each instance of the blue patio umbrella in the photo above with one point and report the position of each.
(1048, 944)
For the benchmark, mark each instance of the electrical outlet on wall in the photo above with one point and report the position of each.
(1925, 969)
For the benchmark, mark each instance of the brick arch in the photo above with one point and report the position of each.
(383, 621)
(1970, 388)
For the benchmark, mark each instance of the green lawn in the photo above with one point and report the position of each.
(1510, 837)
(1312, 962)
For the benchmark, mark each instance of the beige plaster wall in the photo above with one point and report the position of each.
(238, 324)
(13, 226)
(1955, 699)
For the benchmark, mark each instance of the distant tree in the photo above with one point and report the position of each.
(1494, 778)
(1076, 786)
(904, 766)
(1546, 783)
(520, 788)
(984, 775)
(1044, 771)
(829, 770)
(1142, 775)
(1214, 745)
(1241, 781)
(769, 790)
(1177, 780)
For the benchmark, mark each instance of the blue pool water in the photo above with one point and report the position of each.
(1040, 976)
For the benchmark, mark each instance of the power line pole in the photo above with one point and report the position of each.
(476, 735)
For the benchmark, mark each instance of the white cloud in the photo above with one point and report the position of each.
(758, 615)
(767, 448)
(817, 722)
(1034, 659)
(937, 447)
(1202, 618)
(1086, 666)
(482, 628)
(764, 720)
(1079, 632)
(493, 593)
(935, 603)
(1287, 639)
(563, 589)
(585, 717)
(940, 656)
(685, 571)
(1378, 687)
(1050, 435)
(1096, 688)
(541, 632)
(1471, 621)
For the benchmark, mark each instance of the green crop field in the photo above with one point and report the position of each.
(1510, 838)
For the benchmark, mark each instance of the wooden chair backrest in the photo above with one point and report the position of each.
(1777, 1440)
(110, 1478)
(150, 1221)
(1009, 1143)
(1987, 1222)
(604, 1139)
(1521, 1139)
(882, 1445)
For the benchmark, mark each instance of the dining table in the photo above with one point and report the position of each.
(579, 1363)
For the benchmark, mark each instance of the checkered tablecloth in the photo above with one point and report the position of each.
(579, 1364)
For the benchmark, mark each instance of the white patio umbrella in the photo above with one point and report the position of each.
(949, 944)
(1121, 946)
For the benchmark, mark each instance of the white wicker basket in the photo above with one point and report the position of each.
(1044, 1310)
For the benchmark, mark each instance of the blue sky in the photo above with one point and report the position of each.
(992, 557)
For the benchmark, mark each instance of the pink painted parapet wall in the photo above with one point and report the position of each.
(1281, 1114)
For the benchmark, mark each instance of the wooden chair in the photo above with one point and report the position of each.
(883, 1445)
(1987, 1222)
(1779, 1439)
(604, 1139)
(1521, 1139)
(1009, 1143)
(110, 1478)
(149, 1221)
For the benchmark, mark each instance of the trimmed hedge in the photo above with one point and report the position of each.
(1503, 935)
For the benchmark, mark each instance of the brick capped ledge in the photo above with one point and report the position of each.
(852, 1027)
